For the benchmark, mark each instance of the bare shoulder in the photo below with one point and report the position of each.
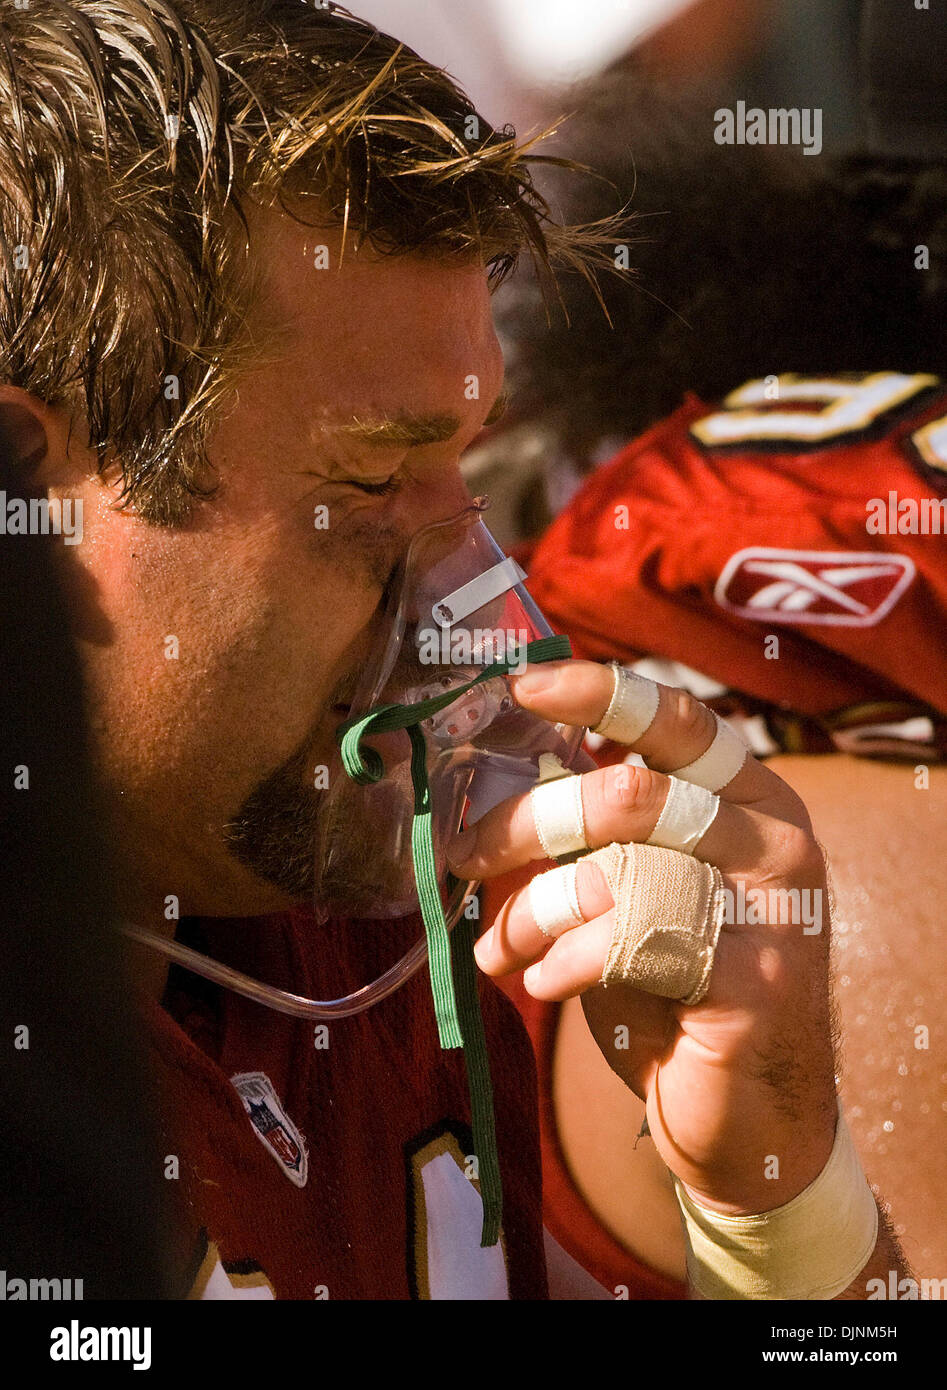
(884, 827)
(885, 833)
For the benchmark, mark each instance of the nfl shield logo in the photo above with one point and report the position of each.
(272, 1124)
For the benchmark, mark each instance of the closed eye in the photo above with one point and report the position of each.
(377, 489)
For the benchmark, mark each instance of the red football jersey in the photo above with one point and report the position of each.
(334, 1161)
(812, 511)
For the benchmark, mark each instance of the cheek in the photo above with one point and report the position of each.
(210, 653)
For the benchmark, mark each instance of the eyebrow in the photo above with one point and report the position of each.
(413, 431)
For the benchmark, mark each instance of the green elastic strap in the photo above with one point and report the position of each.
(459, 1023)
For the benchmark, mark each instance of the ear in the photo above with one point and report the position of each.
(24, 421)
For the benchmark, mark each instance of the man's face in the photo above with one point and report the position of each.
(207, 743)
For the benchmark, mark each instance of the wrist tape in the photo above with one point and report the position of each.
(811, 1248)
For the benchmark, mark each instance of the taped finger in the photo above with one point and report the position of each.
(558, 816)
(669, 909)
(573, 963)
(720, 764)
(554, 900)
(632, 708)
(550, 906)
(687, 815)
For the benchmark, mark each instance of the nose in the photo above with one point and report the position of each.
(432, 499)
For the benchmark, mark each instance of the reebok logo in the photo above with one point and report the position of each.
(813, 586)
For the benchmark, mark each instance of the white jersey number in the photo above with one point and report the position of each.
(839, 408)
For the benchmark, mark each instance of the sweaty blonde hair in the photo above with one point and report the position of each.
(132, 133)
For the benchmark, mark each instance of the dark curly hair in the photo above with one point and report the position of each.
(748, 261)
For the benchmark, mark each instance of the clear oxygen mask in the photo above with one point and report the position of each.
(458, 623)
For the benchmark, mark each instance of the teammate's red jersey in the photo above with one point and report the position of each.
(809, 511)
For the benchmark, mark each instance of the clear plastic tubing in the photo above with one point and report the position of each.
(294, 1004)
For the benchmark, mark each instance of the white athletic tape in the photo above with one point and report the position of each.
(814, 1247)
(554, 901)
(688, 814)
(719, 764)
(632, 708)
(558, 817)
(668, 913)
